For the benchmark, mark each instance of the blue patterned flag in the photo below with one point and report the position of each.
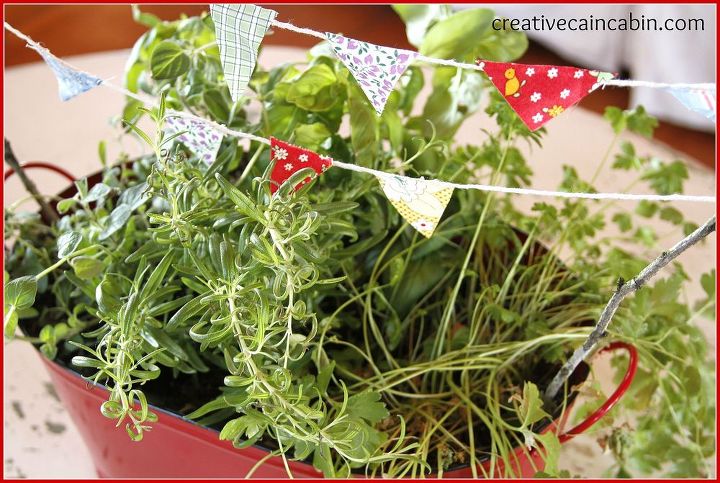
(71, 82)
(701, 101)
(239, 30)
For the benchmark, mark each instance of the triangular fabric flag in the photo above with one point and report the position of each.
(376, 68)
(239, 30)
(539, 93)
(71, 82)
(419, 201)
(701, 101)
(199, 137)
(290, 159)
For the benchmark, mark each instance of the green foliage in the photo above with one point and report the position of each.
(464, 35)
(667, 178)
(455, 36)
(368, 406)
(67, 243)
(168, 61)
(19, 294)
(635, 120)
(418, 18)
(327, 328)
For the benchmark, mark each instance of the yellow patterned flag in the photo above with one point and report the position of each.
(421, 202)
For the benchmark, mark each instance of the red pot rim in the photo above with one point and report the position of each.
(558, 420)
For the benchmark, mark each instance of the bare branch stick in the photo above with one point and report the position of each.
(623, 290)
(47, 212)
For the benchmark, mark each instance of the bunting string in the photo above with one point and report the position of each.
(658, 85)
(475, 67)
(217, 126)
(383, 176)
(543, 193)
(537, 93)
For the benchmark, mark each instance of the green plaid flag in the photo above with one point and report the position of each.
(239, 29)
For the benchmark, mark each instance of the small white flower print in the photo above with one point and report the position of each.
(325, 157)
(536, 96)
(281, 153)
(303, 158)
(552, 73)
(578, 74)
(530, 71)
(424, 225)
(564, 94)
(481, 65)
(537, 118)
(288, 167)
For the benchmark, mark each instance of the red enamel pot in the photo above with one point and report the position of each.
(175, 445)
(165, 451)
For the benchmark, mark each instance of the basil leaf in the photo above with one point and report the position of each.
(168, 61)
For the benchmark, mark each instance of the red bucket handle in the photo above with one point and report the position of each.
(612, 400)
(41, 165)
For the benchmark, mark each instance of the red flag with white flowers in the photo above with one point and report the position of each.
(539, 93)
(290, 159)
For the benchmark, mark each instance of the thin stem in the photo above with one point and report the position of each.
(62, 261)
(623, 290)
(209, 45)
(449, 308)
(48, 213)
(251, 164)
(605, 158)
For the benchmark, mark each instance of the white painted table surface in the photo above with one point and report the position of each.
(40, 439)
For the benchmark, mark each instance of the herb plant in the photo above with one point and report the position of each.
(318, 322)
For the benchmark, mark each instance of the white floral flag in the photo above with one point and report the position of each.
(199, 137)
(376, 68)
(419, 201)
(71, 82)
(239, 30)
(701, 101)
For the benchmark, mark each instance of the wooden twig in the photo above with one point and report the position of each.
(624, 289)
(47, 212)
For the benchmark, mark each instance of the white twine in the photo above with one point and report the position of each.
(20, 34)
(657, 85)
(464, 65)
(40, 48)
(534, 192)
(219, 127)
(37, 46)
(300, 30)
(145, 99)
(449, 63)
(138, 96)
(382, 174)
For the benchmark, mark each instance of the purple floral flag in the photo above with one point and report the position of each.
(376, 68)
(199, 138)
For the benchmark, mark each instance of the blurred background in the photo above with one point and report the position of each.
(660, 56)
